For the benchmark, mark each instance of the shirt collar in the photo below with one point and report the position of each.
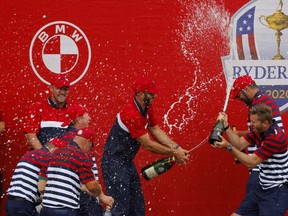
(258, 94)
(141, 110)
(72, 129)
(269, 131)
(51, 102)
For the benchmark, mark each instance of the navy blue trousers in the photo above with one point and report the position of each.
(45, 211)
(20, 208)
(123, 184)
(273, 201)
(89, 206)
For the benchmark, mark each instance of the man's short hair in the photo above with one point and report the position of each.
(263, 111)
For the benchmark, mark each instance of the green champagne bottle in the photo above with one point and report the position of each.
(158, 167)
(218, 129)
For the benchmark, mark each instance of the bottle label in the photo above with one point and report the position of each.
(151, 172)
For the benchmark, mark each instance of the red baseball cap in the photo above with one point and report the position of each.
(60, 81)
(74, 112)
(86, 133)
(57, 142)
(145, 84)
(240, 83)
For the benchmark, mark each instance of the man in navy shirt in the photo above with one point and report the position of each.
(270, 195)
(132, 129)
(246, 90)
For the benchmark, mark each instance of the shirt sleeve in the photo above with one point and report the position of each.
(250, 137)
(92, 158)
(135, 122)
(43, 173)
(44, 165)
(85, 173)
(136, 128)
(152, 121)
(270, 146)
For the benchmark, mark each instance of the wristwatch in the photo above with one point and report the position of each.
(229, 147)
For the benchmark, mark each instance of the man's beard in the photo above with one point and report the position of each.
(147, 100)
(247, 100)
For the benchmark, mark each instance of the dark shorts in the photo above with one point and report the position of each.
(253, 181)
(268, 202)
(89, 206)
(18, 206)
(45, 211)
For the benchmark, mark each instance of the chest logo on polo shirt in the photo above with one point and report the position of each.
(60, 47)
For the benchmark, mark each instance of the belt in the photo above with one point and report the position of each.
(254, 170)
(10, 197)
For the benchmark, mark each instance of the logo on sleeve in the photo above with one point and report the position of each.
(61, 48)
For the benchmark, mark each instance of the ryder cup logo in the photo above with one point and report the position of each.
(60, 48)
(259, 48)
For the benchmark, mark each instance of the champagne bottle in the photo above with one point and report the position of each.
(218, 129)
(158, 167)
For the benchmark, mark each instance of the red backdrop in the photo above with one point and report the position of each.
(180, 44)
